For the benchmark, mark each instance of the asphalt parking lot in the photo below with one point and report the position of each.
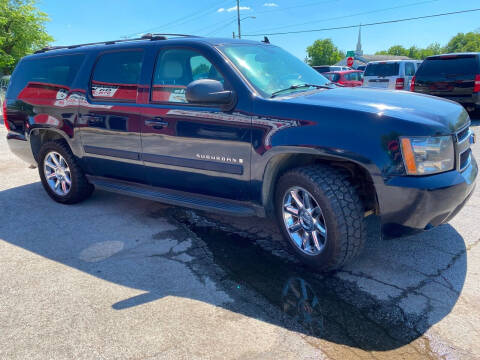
(123, 278)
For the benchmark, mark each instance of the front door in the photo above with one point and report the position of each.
(202, 150)
(109, 119)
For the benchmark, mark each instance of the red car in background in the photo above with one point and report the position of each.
(349, 78)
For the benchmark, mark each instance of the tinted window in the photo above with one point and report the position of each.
(332, 77)
(409, 69)
(322, 69)
(52, 71)
(355, 76)
(382, 69)
(175, 69)
(464, 65)
(116, 75)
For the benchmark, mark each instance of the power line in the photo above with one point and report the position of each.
(363, 25)
(223, 25)
(182, 20)
(350, 15)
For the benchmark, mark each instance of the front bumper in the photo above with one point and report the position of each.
(409, 204)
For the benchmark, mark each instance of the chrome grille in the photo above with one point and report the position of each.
(462, 146)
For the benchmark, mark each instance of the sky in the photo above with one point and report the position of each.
(98, 20)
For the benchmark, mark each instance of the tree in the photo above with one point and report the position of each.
(413, 51)
(464, 43)
(323, 52)
(22, 31)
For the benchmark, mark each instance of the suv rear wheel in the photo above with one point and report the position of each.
(321, 216)
(61, 176)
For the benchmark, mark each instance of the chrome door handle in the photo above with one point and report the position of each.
(156, 123)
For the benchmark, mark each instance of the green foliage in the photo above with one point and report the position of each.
(459, 43)
(22, 31)
(323, 52)
(413, 51)
(464, 43)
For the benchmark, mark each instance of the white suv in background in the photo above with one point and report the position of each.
(390, 74)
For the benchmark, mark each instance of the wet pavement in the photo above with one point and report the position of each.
(116, 277)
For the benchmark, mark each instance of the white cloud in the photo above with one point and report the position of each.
(234, 8)
(270, 4)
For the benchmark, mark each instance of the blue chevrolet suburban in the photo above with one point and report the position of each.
(243, 128)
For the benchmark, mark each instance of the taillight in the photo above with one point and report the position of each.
(399, 83)
(5, 114)
(476, 87)
(412, 84)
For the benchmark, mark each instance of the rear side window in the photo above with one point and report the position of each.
(382, 69)
(355, 76)
(116, 76)
(450, 66)
(37, 73)
(175, 69)
(409, 69)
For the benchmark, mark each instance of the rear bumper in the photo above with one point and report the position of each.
(20, 146)
(409, 204)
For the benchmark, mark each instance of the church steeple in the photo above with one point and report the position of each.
(359, 51)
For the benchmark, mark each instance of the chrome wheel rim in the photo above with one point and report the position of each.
(57, 173)
(304, 221)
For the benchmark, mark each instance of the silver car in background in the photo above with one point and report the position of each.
(390, 74)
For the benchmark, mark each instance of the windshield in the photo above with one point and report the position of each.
(270, 69)
(382, 69)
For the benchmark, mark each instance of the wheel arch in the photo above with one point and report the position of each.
(281, 163)
(40, 136)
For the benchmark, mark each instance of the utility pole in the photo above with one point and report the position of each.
(238, 19)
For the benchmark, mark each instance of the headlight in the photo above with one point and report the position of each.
(427, 155)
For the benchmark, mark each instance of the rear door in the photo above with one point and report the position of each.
(451, 76)
(193, 148)
(109, 117)
(381, 75)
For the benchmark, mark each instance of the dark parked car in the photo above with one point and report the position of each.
(349, 78)
(242, 128)
(451, 76)
(329, 68)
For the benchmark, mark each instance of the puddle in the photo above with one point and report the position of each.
(325, 306)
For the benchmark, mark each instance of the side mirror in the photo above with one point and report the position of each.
(210, 92)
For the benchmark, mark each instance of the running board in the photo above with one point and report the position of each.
(177, 198)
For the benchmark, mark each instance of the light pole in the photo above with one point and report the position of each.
(239, 20)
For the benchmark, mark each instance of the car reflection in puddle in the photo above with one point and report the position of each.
(324, 306)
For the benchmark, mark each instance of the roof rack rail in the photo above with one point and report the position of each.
(151, 37)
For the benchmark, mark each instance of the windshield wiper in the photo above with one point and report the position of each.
(300, 86)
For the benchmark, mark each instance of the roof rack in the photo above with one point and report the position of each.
(150, 37)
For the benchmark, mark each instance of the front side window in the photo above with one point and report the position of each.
(270, 69)
(116, 76)
(175, 69)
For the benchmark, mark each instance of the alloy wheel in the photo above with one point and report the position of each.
(57, 173)
(304, 221)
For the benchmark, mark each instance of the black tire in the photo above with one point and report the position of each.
(80, 188)
(342, 209)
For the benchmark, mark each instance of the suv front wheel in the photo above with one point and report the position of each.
(321, 216)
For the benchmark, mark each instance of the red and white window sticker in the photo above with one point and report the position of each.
(104, 91)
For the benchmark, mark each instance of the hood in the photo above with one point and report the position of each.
(425, 109)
